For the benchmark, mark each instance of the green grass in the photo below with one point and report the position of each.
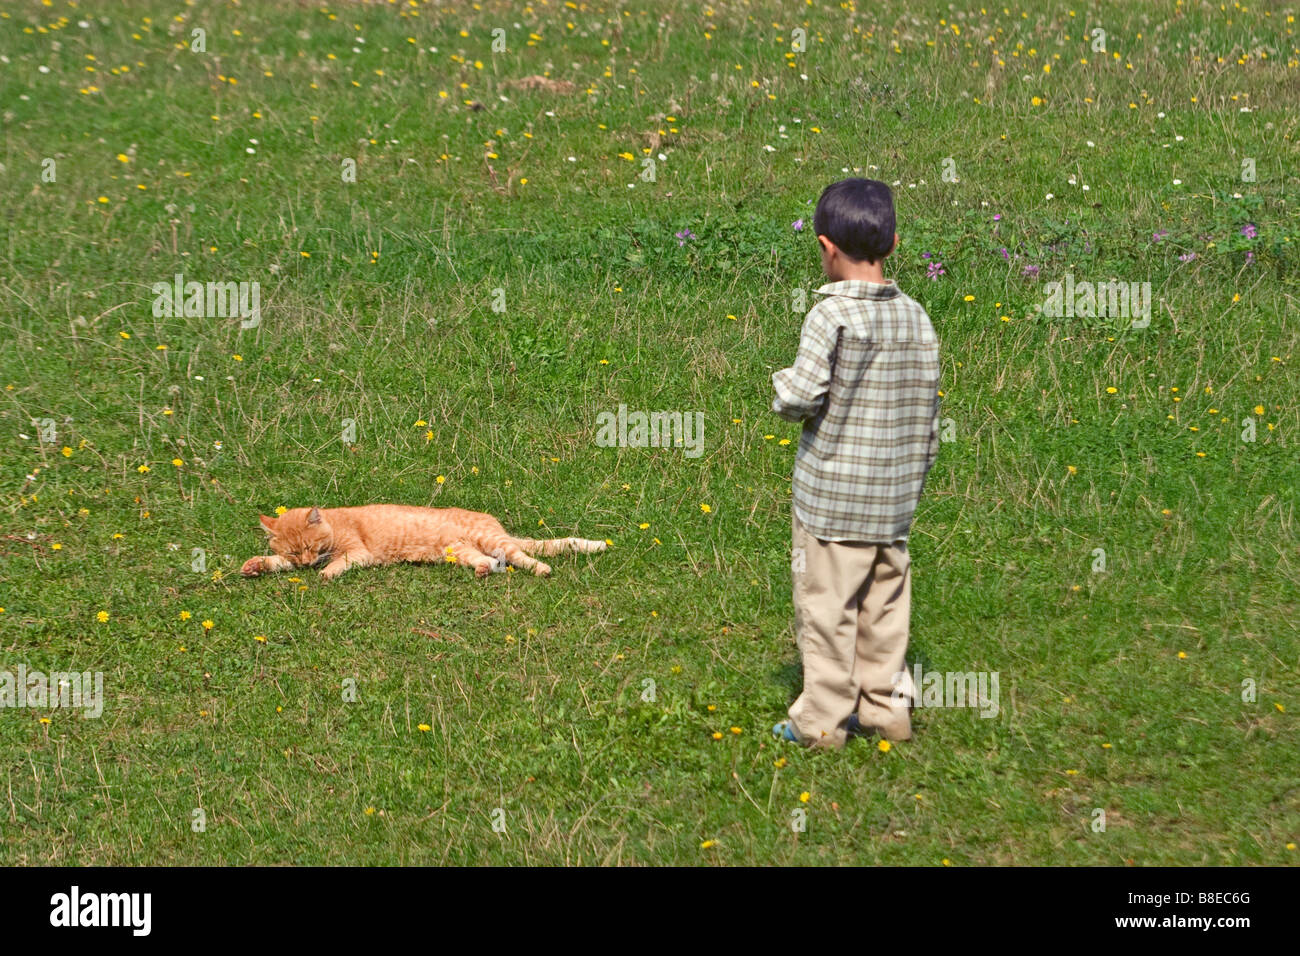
(532, 689)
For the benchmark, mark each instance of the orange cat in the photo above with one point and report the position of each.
(345, 538)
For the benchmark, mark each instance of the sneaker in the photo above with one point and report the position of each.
(785, 731)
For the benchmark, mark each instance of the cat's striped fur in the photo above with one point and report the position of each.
(342, 538)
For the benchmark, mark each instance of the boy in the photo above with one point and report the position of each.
(865, 385)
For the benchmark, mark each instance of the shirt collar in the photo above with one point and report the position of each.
(861, 289)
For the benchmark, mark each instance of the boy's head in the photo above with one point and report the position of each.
(855, 223)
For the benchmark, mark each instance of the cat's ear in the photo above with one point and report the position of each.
(267, 523)
(313, 516)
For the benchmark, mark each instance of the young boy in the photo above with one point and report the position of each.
(865, 385)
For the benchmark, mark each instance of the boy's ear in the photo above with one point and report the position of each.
(313, 516)
(267, 523)
(894, 246)
(827, 246)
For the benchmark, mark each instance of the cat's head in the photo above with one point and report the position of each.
(300, 535)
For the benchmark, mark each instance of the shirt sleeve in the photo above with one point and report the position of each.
(933, 452)
(801, 389)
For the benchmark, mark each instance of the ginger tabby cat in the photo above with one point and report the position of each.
(345, 538)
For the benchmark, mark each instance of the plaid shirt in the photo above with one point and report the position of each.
(865, 385)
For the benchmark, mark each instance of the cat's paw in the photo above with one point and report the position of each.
(484, 568)
(253, 567)
(542, 570)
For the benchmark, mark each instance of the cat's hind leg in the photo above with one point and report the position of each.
(466, 553)
(516, 556)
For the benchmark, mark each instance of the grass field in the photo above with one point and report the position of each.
(505, 266)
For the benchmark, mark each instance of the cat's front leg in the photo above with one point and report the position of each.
(343, 562)
(264, 564)
(335, 568)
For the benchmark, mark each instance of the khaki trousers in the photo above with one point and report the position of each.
(852, 605)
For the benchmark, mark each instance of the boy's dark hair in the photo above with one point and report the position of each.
(858, 216)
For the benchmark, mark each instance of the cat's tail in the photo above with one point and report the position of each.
(551, 546)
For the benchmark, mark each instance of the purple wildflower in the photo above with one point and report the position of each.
(1031, 271)
(1005, 254)
(1187, 257)
(1249, 230)
(1250, 257)
(684, 235)
(1157, 236)
(997, 216)
(934, 270)
(798, 225)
